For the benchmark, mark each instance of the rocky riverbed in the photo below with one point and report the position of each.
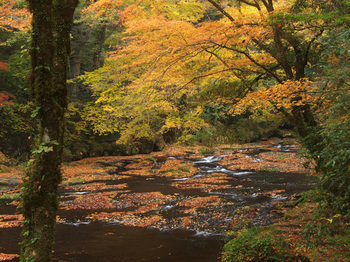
(174, 205)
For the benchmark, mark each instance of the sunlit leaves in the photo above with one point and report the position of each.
(166, 66)
(14, 15)
(163, 60)
(102, 10)
(283, 96)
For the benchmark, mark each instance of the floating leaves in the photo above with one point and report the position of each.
(207, 183)
(7, 257)
(168, 189)
(91, 201)
(145, 201)
(8, 221)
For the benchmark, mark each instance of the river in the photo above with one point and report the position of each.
(167, 207)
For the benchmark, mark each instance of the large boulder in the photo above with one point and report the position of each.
(3, 159)
(4, 169)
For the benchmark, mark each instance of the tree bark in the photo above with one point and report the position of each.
(100, 39)
(51, 24)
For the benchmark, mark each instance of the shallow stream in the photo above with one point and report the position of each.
(138, 210)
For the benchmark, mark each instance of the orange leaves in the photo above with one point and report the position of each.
(8, 257)
(265, 161)
(144, 201)
(91, 201)
(12, 16)
(170, 194)
(164, 57)
(285, 96)
(176, 168)
(292, 93)
(97, 187)
(5, 97)
(8, 221)
(3, 66)
(212, 182)
(102, 10)
(199, 202)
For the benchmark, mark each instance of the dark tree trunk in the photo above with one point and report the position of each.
(100, 39)
(50, 50)
(75, 72)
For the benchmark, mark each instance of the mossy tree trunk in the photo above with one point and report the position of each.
(51, 24)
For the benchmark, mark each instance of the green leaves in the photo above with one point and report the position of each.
(35, 112)
(44, 67)
(44, 147)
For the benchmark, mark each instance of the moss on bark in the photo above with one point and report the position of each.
(50, 50)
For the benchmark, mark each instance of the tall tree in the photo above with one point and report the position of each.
(51, 25)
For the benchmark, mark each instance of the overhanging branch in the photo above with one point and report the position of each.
(267, 70)
(221, 10)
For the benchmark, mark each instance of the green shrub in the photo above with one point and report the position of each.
(256, 245)
(332, 155)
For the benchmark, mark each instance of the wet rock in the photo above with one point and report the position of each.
(3, 159)
(4, 169)
(159, 144)
(13, 162)
(67, 155)
(146, 145)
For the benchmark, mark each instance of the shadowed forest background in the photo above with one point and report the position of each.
(144, 76)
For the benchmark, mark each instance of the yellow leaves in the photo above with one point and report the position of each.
(101, 10)
(245, 13)
(172, 121)
(251, 102)
(189, 11)
(164, 55)
(285, 96)
(334, 60)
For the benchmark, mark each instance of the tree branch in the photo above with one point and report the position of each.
(255, 4)
(221, 10)
(267, 70)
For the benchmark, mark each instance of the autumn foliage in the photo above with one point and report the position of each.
(14, 15)
(146, 74)
(5, 98)
(164, 62)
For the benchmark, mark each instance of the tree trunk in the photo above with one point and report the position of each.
(75, 72)
(50, 50)
(100, 39)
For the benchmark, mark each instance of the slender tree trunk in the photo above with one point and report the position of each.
(100, 39)
(50, 50)
(75, 72)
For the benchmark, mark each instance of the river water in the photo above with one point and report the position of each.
(167, 218)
